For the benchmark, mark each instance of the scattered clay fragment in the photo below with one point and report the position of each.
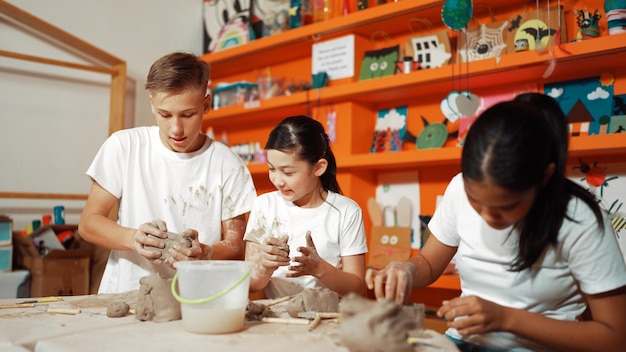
(257, 311)
(316, 299)
(117, 309)
(155, 300)
(373, 326)
(172, 238)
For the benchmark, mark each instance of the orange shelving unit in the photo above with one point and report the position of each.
(356, 103)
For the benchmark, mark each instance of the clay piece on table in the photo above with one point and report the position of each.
(155, 300)
(172, 238)
(117, 309)
(316, 299)
(368, 325)
(257, 311)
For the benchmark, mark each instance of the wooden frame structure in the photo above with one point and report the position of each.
(112, 66)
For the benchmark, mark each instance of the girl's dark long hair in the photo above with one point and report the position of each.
(306, 137)
(511, 144)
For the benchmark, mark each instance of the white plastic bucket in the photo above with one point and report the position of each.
(213, 294)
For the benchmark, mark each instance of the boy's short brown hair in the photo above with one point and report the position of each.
(178, 71)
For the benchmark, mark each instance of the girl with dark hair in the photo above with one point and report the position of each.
(539, 263)
(305, 234)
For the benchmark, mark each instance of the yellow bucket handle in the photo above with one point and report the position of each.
(207, 299)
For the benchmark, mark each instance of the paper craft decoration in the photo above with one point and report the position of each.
(615, 16)
(483, 42)
(392, 187)
(456, 14)
(273, 14)
(430, 49)
(433, 135)
(389, 242)
(390, 130)
(586, 103)
(588, 23)
(608, 183)
(226, 24)
(462, 107)
(534, 27)
(379, 62)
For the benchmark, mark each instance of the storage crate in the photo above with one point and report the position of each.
(6, 230)
(6, 258)
(59, 272)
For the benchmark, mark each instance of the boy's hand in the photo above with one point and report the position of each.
(149, 235)
(197, 251)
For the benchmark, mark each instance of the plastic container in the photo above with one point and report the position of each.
(234, 93)
(213, 294)
(59, 215)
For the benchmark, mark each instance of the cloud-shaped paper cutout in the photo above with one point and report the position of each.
(555, 92)
(391, 120)
(599, 93)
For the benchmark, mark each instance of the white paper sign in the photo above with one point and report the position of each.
(335, 57)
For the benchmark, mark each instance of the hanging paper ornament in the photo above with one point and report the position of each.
(456, 14)
(459, 104)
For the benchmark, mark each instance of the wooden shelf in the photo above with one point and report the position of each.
(613, 145)
(422, 91)
(517, 68)
(393, 17)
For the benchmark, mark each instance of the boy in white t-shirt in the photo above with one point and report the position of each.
(169, 177)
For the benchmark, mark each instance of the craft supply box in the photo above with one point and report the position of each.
(59, 272)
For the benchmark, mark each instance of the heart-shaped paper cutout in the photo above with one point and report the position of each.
(448, 107)
(467, 104)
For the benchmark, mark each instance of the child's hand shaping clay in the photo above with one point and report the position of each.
(309, 262)
(274, 252)
(180, 251)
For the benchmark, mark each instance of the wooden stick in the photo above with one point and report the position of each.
(64, 311)
(278, 300)
(17, 305)
(285, 321)
(328, 315)
(323, 315)
(43, 300)
(315, 323)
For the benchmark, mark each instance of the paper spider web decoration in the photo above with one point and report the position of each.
(483, 43)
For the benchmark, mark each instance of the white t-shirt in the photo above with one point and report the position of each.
(186, 190)
(336, 228)
(585, 259)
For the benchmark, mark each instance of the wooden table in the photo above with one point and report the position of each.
(35, 329)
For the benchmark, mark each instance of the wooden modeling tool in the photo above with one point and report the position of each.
(316, 317)
(295, 321)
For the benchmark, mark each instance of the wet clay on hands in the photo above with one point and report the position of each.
(170, 241)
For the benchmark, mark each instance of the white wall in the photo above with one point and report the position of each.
(54, 119)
